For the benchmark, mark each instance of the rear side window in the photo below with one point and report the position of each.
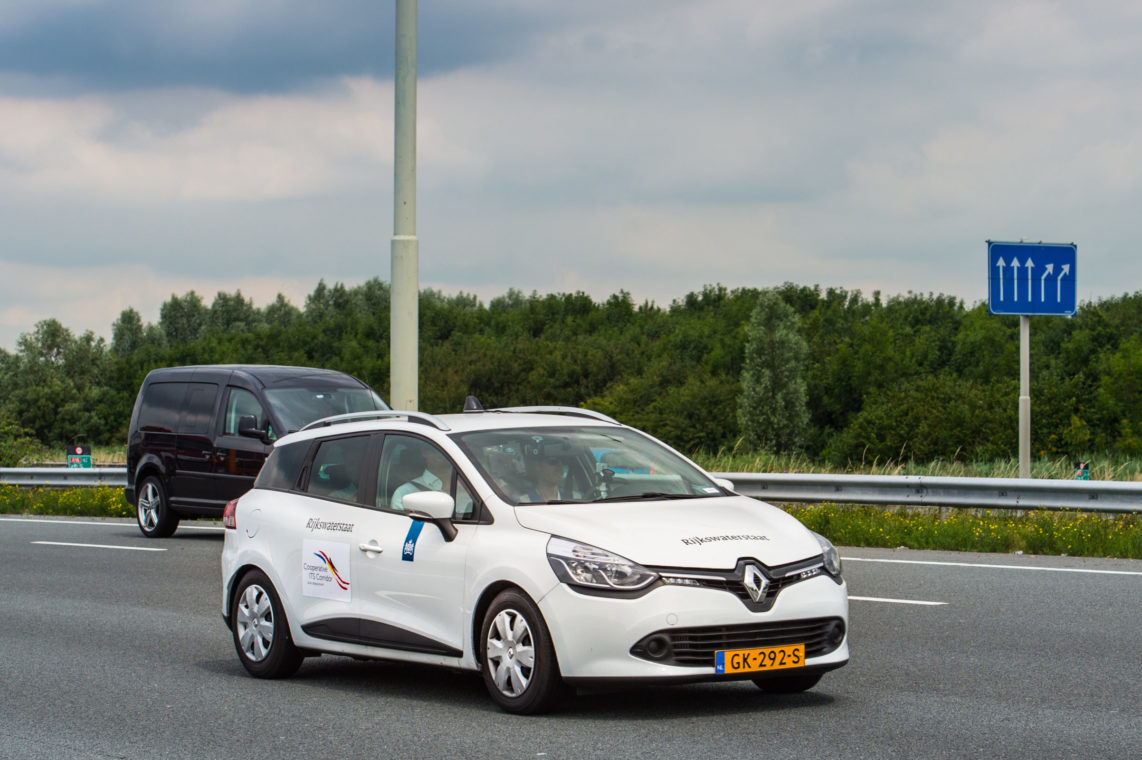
(283, 467)
(162, 403)
(198, 408)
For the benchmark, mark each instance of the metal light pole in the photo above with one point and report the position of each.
(1024, 396)
(404, 369)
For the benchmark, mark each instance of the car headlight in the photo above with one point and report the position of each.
(832, 558)
(591, 567)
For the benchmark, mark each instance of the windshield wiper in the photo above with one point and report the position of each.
(646, 495)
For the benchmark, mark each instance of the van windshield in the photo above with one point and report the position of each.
(297, 407)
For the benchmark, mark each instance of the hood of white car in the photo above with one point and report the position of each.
(711, 533)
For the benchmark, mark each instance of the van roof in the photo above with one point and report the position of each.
(266, 374)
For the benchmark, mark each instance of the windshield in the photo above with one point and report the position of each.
(297, 407)
(581, 465)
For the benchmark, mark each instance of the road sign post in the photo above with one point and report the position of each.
(1030, 279)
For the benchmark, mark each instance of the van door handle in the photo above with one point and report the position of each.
(370, 548)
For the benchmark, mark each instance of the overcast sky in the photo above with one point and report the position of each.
(150, 148)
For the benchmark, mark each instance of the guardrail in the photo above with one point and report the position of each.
(924, 491)
(64, 477)
(904, 490)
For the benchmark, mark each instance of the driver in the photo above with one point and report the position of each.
(546, 473)
(437, 470)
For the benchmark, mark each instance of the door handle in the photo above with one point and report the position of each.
(372, 548)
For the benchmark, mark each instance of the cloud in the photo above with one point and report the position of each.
(91, 297)
(651, 145)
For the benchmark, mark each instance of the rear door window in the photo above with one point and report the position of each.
(282, 470)
(198, 409)
(338, 469)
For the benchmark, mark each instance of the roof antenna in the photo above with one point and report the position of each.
(472, 404)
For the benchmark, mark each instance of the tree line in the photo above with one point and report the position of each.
(834, 374)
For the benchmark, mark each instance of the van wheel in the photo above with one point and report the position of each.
(155, 517)
(519, 664)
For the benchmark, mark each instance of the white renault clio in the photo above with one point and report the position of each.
(546, 547)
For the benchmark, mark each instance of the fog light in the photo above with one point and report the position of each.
(658, 646)
(835, 634)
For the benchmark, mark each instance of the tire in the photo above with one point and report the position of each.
(788, 684)
(261, 630)
(519, 665)
(156, 520)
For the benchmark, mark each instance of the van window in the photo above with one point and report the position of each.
(337, 468)
(297, 407)
(283, 466)
(242, 402)
(161, 405)
(198, 408)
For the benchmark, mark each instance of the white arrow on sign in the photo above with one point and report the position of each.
(1050, 268)
(1030, 266)
(1062, 274)
(999, 263)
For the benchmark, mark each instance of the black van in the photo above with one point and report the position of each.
(199, 435)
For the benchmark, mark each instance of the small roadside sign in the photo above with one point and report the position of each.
(79, 456)
(1033, 279)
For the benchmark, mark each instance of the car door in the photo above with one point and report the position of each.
(192, 485)
(318, 534)
(238, 459)
(412, 585)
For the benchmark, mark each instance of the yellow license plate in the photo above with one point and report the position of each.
(755, 660)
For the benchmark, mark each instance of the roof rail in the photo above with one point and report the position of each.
(380, 414)
(571, 411)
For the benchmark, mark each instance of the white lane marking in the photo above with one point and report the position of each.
(101, 546)
(108, 524)
(992, 567)
(895, 601)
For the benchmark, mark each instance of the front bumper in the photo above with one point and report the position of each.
(602, 639)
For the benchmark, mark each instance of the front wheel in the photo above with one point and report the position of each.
(261, 631)
(788, 684)
(156, 520)
(519, 668)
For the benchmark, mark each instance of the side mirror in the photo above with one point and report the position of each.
(248, 428)
(727, 485)
(434, 507)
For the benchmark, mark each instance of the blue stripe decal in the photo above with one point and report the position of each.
(410, 540)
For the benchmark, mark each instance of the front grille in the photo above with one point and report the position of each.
(778, 578)
(695, 647)
(735, 587)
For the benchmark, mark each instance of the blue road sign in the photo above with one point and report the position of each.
(1031, 278)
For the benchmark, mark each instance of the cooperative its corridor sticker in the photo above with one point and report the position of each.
(325, 570)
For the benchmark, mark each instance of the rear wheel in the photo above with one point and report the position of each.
(261, 631)
(519, 668)
(156, 520)
(788, 684)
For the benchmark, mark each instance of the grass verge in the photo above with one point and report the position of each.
(1042, 532)
(75, 502)
(1071, 533)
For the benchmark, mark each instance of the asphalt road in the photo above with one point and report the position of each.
(121, 653)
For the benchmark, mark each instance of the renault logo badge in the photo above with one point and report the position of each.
(755, 583)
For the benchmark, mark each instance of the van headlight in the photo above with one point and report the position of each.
(587, 566)
(832, 558)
